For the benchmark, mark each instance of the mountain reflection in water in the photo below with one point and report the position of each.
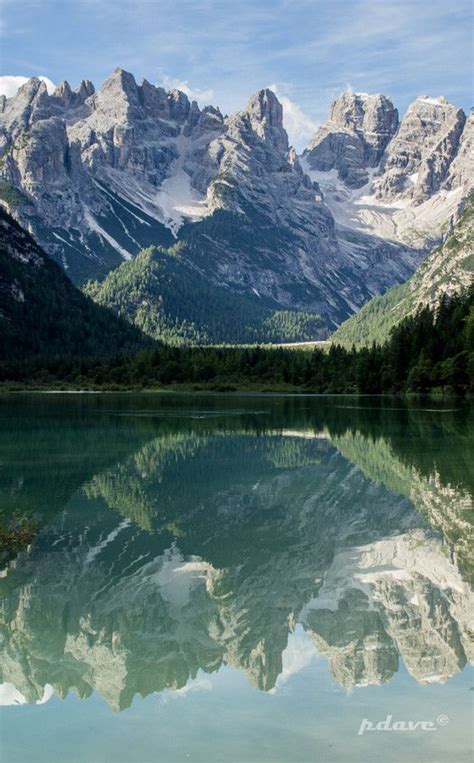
(183, 534)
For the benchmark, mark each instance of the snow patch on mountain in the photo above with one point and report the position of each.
(395, 219)
(176, 198)
(96, 228)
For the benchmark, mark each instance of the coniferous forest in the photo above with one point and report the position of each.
(431, 351)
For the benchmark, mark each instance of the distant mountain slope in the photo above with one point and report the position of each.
(42, 312)
(98, 176)
(447, 270)
(402, 181)
(103, 174)
(170, 299)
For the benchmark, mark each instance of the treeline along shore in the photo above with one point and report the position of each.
(429, 352)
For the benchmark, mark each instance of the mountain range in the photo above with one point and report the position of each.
(250, 241)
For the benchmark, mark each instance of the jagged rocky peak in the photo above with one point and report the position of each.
(211, 118)
(417, 160)
(132, 127)
(123, 99)
(265, 114)
(354, 138)
(85, 89)
(66, 97)
(63, 91)
(208, 122)
(426, 123)
(31, 89)
(369, 113)
(121, 80)
(379, 125)
(265, 108)
(253, 161)
(154, 99)
(37, 155)
(179, 105)
(118, 97)
(30, 104)
(246, 159)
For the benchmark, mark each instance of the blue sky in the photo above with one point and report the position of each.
(223, 50)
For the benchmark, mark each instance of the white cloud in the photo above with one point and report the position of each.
(299, 126)
(199, 684)
(9, 85)
(299, 653)
(203, 97)
(9, 695)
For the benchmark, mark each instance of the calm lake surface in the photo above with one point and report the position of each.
(236, 578)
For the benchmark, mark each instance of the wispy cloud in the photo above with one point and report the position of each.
(9, 84)
(203, 97)
(201, 683)
(299, 654)
(222, 51)
(299, 126)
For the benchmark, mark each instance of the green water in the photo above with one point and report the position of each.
(240, 578)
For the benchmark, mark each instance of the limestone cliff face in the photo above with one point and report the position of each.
(358, 130)
(461, 171)
(417, 160)
(446, 271)
(402, 181)
(90, 165)
(154, 149)
(96, 176)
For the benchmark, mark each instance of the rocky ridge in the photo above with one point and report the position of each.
(98, 175)
(408, 189)
(354, 138)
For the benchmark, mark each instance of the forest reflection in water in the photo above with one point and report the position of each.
(180, 534)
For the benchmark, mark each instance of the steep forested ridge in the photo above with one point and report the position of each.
(43, 314)
(170, 300)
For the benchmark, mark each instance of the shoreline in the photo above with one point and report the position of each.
(231, 391)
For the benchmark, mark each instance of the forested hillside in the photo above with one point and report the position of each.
(161, 293)
(43, 314)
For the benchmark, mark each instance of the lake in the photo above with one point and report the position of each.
(236, 579)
